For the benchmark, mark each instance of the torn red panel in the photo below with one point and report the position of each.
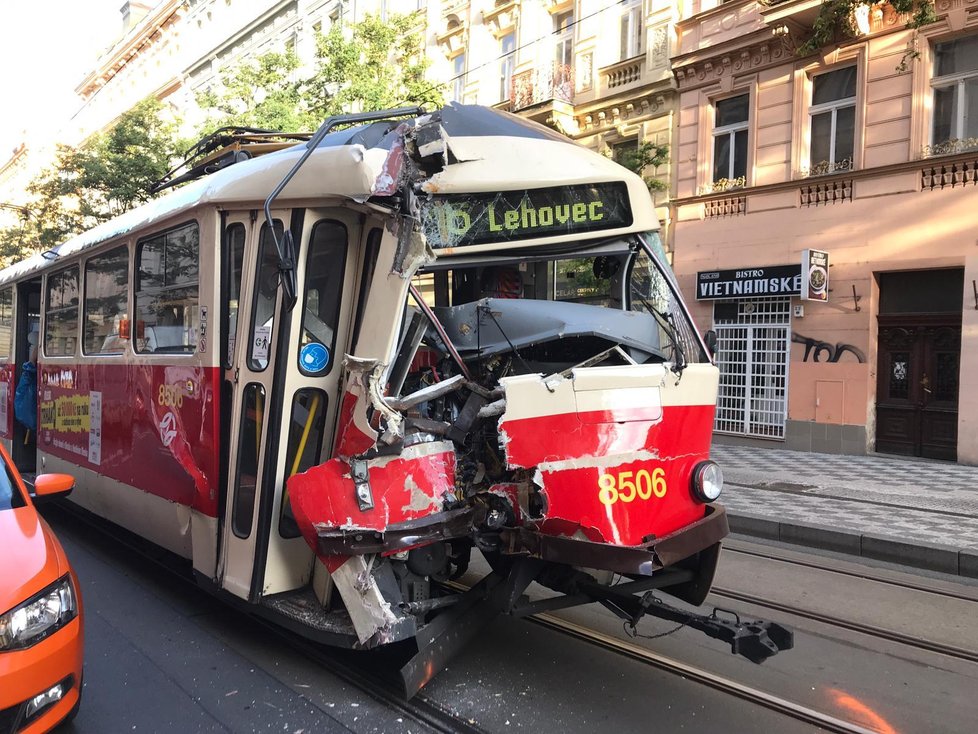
(533, 441)
(350, 440)
(403, 488)
(388, 181)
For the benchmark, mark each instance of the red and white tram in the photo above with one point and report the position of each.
(325, 375)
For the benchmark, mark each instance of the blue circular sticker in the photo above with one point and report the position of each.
(314, 357)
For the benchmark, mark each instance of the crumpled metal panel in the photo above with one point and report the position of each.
(405, 487)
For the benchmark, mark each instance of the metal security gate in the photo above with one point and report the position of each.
(752, 354)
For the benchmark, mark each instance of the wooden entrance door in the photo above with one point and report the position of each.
(917, 386)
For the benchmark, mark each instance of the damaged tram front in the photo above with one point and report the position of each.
(524, 392)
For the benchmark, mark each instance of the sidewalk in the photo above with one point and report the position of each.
(916, 512)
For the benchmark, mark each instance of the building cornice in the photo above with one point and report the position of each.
(609, 113)
(229, 42)
(913, 166)
(743, 55)
(164, 16)
(19, 152)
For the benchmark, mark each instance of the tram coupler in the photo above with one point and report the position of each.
(755, 639)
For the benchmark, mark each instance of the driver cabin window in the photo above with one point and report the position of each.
(325, 266)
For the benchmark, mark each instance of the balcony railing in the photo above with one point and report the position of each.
(623, 73)
(824, 168)
(535, 86)
(950, 147)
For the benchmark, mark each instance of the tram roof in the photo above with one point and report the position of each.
(488, 150)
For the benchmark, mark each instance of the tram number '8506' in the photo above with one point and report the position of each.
(170, 396)
(625, 486)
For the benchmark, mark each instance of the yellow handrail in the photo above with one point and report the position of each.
(305, 433)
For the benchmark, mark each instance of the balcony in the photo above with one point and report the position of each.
(623, 74)
(553, 83)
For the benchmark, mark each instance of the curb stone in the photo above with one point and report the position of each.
(930, 556)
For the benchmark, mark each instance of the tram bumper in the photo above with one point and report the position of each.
(695, 547)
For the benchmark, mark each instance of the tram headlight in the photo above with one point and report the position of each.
(707, 481)
(40, 616)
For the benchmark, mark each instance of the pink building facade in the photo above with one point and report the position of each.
(859, 151)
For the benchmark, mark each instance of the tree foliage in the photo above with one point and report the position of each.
(641, 157)
(370, 65)
(373, 65)
(263, 93)
(836, 21)
(107, 175)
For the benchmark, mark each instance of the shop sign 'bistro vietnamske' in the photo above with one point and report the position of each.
(768, 281)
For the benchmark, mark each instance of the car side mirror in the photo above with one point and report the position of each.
(53, 485)
(710, 338)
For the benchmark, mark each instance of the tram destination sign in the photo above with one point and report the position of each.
(769, 281)
(476, 219)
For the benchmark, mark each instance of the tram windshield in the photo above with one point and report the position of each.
(547, 310)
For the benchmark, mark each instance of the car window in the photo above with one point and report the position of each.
(10, 496)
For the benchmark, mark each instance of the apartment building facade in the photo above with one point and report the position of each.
(595, 70)
(862, 152)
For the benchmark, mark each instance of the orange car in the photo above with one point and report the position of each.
(40, 611)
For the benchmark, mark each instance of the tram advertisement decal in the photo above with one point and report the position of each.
(77, 421)
(474, 219)
(4, 413)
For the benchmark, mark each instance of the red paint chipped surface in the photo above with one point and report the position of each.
(402, 489)
(585, 451)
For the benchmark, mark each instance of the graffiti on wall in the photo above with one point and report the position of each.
(823, 351)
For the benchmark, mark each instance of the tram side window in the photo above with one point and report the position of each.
(61, 314)
(167, 268)
(234, 264)
(369, 265)
(325, 266)
(266, 290)
(305, 447)
(6, 322)
(106, 302)
(249, 453)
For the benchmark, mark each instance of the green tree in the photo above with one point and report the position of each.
(263, 93)
(112, 173)
(371, 65)
(835, 22)
(641, 157)
(107, 175)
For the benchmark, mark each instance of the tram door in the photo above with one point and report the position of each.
(282, 389)
(312, 370)
(250, 285)
(26, 345)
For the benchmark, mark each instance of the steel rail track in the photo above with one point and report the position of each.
(879, 575)
(937, 647)
(422, 709)
(425, 711)
(756, 696)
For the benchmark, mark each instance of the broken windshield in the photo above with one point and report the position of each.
(549, 310)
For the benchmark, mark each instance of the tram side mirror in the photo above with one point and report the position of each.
(710, 338)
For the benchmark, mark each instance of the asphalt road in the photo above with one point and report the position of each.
(163, 656)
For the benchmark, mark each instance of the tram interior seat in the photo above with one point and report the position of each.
(166, 339)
